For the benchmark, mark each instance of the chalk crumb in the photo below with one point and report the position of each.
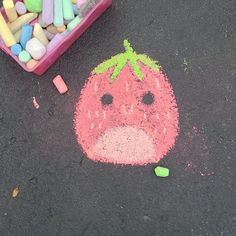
(35, 103)
(15, 192)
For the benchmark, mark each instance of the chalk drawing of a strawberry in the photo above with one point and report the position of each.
(127, 111)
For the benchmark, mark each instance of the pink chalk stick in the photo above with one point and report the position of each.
(60, 84)
(80, 3)
(47, 14)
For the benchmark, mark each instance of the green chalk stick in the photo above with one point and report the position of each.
(34, 5)
(58, 13)
(73, 23)
(68, 10)
(24, 56)
(162, 171)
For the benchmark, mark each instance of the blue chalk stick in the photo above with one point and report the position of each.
(26, 34)
(58, 13)
(65, 33)
(75, 9)
(16, 49)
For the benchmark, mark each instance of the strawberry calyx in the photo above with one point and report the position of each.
(119, 61)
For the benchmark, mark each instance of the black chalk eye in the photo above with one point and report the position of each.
(148, 98)
(107, 99)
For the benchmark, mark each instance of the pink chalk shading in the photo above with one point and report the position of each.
(124, 145)
(35, 103)
(127, 131)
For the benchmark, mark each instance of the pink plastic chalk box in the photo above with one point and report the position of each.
(35, 33)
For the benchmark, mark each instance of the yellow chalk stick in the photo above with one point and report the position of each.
(22, 20)
(17, 36)
(39, 34)
(6, 34)
(10, 10)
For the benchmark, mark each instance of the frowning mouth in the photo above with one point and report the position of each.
(125, 145)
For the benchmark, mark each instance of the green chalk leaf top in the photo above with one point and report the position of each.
(120, 60)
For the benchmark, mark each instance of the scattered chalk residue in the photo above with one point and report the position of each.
(191, 143)
(15, 192)
(140, 122)
(185, 64)
(35, 103)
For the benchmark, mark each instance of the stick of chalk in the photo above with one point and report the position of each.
(49, 35)
(61, 28)
(75, 9)
(10, 10)
(16, 49)
(5, 33)
(17, 36)
(60, 84)
(22, 20)
(68, 10)
(73, 23)
(52, 29)
(26, 34)
(20, 8)
(39, 34)
(35, 48)
(80, 3)
(54, 42)
(65, 33)
(31, 63)
(33, 5)
(58, 13)
(47, 15)
(161, 171)
(24, 56)
(41, 22)
(84, 10)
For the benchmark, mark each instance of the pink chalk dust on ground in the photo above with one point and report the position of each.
(35, 103)
(127, 131)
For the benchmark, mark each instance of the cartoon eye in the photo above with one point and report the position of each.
(148, 98)
(107, 99)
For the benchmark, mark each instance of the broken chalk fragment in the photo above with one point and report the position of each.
(161, 171)
(60, 84)
(35, 103)
(15, 192)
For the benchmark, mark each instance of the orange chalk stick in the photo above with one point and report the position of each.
(60, 84)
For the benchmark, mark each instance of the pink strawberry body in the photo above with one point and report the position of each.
(137, 125)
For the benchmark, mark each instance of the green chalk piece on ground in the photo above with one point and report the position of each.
(162, 171)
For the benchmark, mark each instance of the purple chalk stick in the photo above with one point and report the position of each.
(20, 8)
(47, 14)
(54, 42)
